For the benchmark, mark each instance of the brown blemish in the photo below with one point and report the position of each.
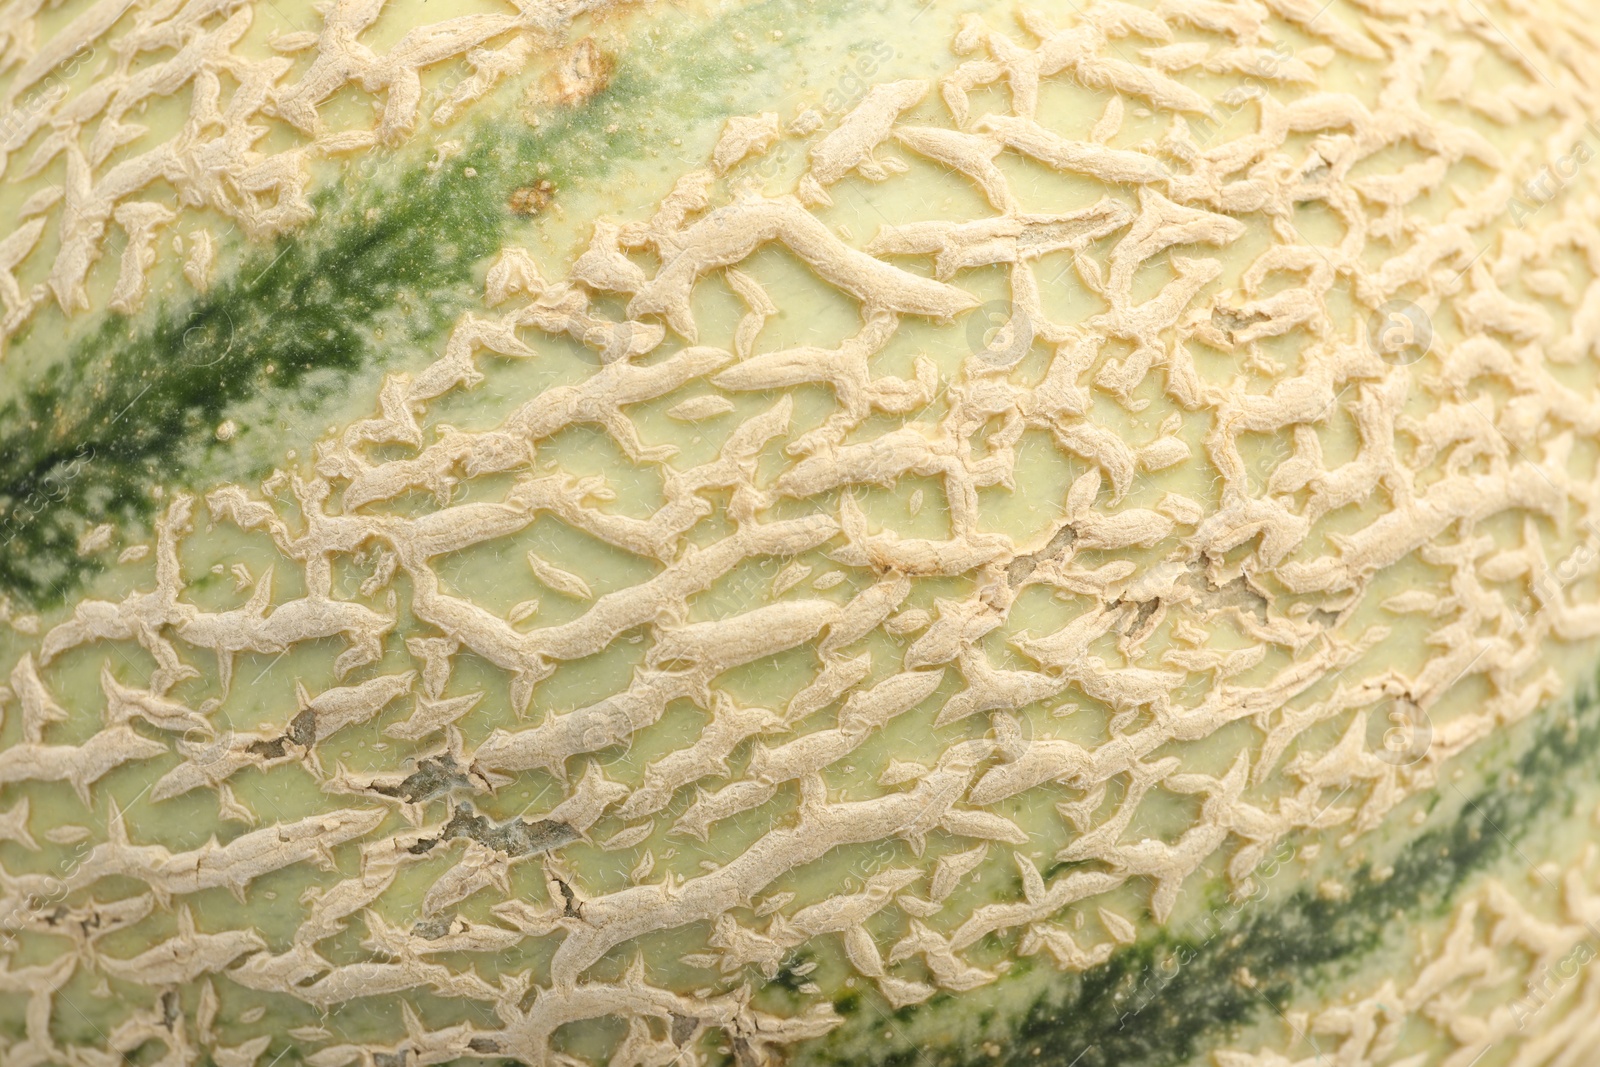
(514, 837)
(1021, 568)
(579, 73)
(531, 200)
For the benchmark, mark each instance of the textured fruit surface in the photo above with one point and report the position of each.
(822, 533)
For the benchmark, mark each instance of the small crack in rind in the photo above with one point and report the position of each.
(432, 929)
(514, 837)
(1021, 569)
(434, 775)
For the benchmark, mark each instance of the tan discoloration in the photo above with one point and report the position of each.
(578, 73)
(530, 200)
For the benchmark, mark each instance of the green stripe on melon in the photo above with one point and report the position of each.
(136, 402)
(1237, 965)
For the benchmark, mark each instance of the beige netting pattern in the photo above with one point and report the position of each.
(1246, 604)
(71, 108)
(1523, 951)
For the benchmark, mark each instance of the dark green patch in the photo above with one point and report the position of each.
(88, 440)
(135, 404)
(786, 978)
(1162, 1002)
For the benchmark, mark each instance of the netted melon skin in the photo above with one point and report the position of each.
(1069, 546)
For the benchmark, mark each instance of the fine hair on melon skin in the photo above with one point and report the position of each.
(1040, 536)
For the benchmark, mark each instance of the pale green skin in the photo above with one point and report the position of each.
(280, 424)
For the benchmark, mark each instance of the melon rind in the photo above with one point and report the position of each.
(876, 597)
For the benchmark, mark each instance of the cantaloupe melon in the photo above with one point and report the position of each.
(796, 531)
